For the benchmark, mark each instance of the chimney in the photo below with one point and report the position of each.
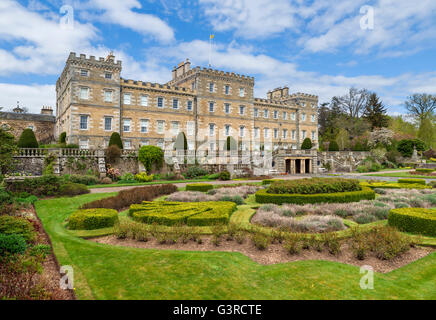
(47, 110)
(110, 57)
(269, 95)
(174, 73)
(187, 65)
(285, 91)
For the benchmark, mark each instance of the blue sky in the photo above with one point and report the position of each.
(313, 46)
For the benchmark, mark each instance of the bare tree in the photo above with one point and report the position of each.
(421, 106)
(352, 103)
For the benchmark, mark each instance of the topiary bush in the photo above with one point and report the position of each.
(224, 176)
(412, 181)
(203, 187)
(113, 153)
(424, 170)
(73, 189)
(151, 155)
(414, 220)
(115, 140)
(406, 146)
(314, 186)
(173, 213)
(27, 139)
(17, 225)
(307, 144)
(262, 196)
(63, 138)
(12, 244)
(91, 219)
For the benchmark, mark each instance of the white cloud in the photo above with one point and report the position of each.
(122, 13)
(250, 18)
(32, 97)
(41, 45)
(271, 73)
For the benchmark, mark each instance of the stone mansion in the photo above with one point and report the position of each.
(207, 105)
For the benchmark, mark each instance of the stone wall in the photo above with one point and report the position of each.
(342, 161)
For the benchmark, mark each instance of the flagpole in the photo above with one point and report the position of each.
(210, 51)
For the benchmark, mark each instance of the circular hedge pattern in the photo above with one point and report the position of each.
(262, 196)
(414, 220)
(90, 219)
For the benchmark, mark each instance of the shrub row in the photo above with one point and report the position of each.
(86, 179)
(173, 213)
(202, 187)
(269, 181)
(42, 186)
(393, 185)
(414, 220)
(412, 181)
(73, 189)
(314, 186)
(90, 219)
(424, 170)
(132, 196)
(12, 244)
(262, 196)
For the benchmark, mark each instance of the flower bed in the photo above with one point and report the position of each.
(414, 220)
(173, 213)
(91, 219)
(262, 196)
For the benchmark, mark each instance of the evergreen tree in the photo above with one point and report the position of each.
(27, 139)
(307, 144)
(427, 132)
(115, 139)
(63, 138)
(375, 112)
(333, 146)
(7, 149)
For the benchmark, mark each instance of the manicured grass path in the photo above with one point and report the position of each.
(109, 272)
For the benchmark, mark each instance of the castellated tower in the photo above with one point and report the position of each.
(88, 100)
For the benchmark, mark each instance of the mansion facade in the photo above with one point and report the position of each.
(206, 105)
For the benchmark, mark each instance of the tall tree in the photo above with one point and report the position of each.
(427, 132)
(7, 149)
(353, 103)
(421, 106)
(375, 112)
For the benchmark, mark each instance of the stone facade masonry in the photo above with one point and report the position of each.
(206, 105)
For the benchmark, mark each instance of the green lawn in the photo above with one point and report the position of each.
(400, 175)
(108, 272)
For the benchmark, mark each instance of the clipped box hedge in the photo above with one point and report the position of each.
(424, 170)
(202, 187)
(394, 185)
(262, 196)
(414, 220)
(269, 181)
(91, 219)
(412, 181)
(173, 213)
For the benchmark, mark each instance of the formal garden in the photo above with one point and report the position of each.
(268, 238)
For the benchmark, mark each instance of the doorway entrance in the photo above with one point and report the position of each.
(288, 166)
(307, 165)
(298, 166)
